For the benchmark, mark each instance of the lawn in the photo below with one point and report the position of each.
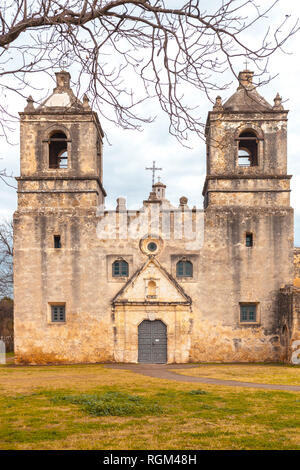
(92, 407)
(257, 373)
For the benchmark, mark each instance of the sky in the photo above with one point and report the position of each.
(127, 153)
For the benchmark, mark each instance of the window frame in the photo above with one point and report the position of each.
(121, 273)
(184, 262)
(52, 313)
(248, 306)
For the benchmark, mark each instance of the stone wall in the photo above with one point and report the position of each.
(297, 267)
(227, 273)
(289, 323)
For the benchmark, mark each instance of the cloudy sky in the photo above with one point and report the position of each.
(129, 152)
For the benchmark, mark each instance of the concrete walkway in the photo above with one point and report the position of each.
(164, 371)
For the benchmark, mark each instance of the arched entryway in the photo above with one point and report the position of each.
(152, 342)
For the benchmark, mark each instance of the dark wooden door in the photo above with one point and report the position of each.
(152, 342)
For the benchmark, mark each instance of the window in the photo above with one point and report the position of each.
(120, 268)
(152, 246)
(248, 313)
(57, 242)
(247, 149)
(58, 151)
(184, 269)
(249, 239)
(151, 289)
(58, 313)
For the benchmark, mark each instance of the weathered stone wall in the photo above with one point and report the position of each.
(297, 267)
(233, 273)
(228, 273)
(36, 129)
(265, 184)
(224, 129)
(78, 185)
(289, 323)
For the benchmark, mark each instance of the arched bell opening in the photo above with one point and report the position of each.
(58, 150)
(247, 149)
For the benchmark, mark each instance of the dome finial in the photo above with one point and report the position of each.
(29, 108)
(278, 103)
(218, 104)
(86, 104)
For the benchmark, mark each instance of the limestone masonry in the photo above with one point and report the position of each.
(162, 283)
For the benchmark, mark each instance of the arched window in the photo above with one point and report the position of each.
(151, 289)
(120, 268)
(58, 150)
(248, 148)
(184, 268)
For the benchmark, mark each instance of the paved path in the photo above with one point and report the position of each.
(164, 371)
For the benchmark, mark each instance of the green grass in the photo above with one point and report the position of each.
(111, 403)
(286, 374)
(91, 407)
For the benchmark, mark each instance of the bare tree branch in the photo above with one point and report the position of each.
(135, 50)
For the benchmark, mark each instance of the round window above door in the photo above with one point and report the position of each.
(151, 245)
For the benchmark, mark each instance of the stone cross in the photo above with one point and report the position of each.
(153, 169)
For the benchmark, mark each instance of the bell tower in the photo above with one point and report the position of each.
(249, 227)
(61, 151)
(246, 142)
(55, 243)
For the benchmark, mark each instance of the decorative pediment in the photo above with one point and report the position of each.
(152, 284)
(63, 99)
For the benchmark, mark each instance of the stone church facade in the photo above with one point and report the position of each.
(162, 283)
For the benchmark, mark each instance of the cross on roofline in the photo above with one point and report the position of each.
(64, 64)
(246, 64)
(153, 169)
